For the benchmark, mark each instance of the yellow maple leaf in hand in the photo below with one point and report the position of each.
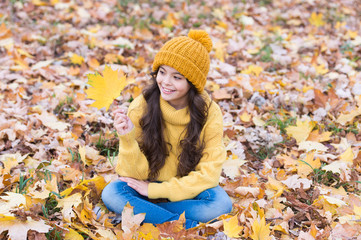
(260, 230)
(104, 89)
(316, 19)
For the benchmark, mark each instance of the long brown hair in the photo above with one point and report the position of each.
(153, 143)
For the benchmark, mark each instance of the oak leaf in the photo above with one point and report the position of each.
(104, 89)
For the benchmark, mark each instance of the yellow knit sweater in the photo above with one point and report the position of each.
(133, 163)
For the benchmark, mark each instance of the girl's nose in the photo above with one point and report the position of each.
(166, 80)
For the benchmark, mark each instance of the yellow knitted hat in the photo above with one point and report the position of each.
(188, 55)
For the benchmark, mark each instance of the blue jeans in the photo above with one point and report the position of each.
(208, 205)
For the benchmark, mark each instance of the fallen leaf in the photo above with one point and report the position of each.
(72, 235)
(18, 230)
(316, 19)
(231, 227)
(307, 165)
(301, 131)
(260, 231)
(131, 222)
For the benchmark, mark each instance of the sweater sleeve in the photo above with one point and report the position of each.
(207, 172)
(131, 161)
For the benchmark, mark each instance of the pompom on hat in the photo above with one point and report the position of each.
(189, 55)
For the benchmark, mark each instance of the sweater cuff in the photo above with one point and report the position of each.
(157, 190)
(126, 140)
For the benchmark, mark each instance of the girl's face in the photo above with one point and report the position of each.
(173, 86)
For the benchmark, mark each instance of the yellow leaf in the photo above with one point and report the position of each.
(301, 131)
(76, 59)
(280, 228)
(245, 117)
(313, 230)
(253, 70)
(104, 89)
(357, 211)
(231, 227)
(321, 69)
(82, 153)
(352, 34)
(344, 118)
(340, 25)
(219, 47)
(73, 235)
(38, 3)
(347, 156)
(306, 166)
(98, 182)
(316, 137)
(316, 19)
(275, 186)
(260, 231)
(222, 24)
(148, 231)
(169, 22)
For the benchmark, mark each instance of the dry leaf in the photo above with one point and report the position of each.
(260, 231)
(18, 230)
(231, 227)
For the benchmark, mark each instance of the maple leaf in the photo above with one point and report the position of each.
(306, 166)
(131, 222)
(301, 131)
(231, 167)
(73, 235)
(253, 70)
(18, 230)
(260, 231)
(231, 227)
(104, 89)
(316, 19)
(347, 156)
(76, 59)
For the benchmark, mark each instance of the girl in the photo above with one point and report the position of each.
(170, 145)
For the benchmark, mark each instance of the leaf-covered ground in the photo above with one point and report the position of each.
(285, 73)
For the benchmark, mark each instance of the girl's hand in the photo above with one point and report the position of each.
(138, 185)
(122, 122)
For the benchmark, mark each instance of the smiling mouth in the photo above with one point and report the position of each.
(167, 91)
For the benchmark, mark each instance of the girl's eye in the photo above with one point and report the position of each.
(178, 78)
(161, 72)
